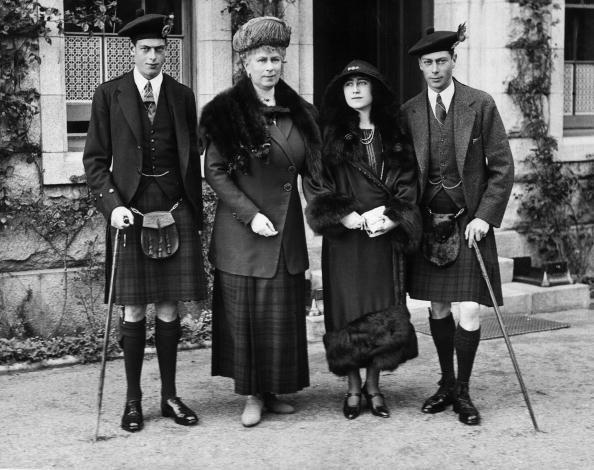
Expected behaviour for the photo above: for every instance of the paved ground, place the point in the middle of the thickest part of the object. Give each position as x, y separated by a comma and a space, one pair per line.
48, 417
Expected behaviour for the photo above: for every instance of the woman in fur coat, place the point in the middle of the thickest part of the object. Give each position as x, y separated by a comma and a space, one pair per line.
260, 135
365, 207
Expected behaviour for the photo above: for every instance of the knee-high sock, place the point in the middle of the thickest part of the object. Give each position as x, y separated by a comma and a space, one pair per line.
442, 331
466, 343
132, 341
167, 335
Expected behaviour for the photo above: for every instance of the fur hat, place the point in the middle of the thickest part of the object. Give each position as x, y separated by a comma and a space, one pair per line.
149, 26
262, 31
436, 41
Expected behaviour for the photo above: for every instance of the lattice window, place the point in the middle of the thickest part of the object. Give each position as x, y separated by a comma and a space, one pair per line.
93, 60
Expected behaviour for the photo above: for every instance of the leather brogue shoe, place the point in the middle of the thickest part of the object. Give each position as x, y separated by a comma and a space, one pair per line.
379, 408
351, 411
252, 411
176, 409
467, 412
132, 419
443, 398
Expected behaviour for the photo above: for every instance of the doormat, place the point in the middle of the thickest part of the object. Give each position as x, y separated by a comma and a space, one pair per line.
514, 325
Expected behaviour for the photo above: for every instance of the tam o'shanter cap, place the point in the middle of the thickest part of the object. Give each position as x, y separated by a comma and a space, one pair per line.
262, 31
436, 41
149, 26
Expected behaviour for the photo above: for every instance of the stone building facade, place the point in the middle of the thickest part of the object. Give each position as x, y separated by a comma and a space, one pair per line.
326, 34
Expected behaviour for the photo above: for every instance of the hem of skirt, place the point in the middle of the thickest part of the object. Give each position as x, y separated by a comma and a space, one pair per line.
282, 391
481, 301
157, 300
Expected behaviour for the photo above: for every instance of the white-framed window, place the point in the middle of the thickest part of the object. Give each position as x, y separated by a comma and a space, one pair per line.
578, 83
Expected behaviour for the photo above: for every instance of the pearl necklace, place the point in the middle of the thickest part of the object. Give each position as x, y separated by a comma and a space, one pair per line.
369, 139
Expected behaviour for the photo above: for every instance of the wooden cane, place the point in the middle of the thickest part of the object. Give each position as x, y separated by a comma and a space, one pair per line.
106, 333
479, 257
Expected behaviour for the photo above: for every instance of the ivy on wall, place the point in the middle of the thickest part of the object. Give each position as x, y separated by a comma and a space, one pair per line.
554, 203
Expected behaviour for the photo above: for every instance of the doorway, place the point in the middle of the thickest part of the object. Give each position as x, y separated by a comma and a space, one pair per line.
378, 31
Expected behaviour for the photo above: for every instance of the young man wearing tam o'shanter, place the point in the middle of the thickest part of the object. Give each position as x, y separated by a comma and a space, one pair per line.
142, 163
466, 173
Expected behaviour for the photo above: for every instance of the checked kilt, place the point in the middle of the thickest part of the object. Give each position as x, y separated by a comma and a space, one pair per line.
258, 332
461, 281
140, 280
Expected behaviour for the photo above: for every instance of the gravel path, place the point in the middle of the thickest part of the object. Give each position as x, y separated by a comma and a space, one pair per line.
48, 417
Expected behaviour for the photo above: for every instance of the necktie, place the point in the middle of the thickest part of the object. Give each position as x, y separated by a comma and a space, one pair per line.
440, 111
149, 101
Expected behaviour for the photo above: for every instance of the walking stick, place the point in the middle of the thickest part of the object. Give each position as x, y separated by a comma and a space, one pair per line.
107, 330
504, 331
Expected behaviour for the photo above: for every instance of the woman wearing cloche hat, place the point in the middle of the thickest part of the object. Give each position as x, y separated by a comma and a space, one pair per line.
260, 136
365, 208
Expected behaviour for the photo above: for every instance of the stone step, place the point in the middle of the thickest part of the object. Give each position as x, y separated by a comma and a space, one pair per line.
518, 298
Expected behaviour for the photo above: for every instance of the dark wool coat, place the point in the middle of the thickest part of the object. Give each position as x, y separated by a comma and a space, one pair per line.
251, 168
113, 151
364, 309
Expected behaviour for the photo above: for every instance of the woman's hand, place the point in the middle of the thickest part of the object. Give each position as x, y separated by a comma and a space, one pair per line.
383, 226
352, 221
262, 226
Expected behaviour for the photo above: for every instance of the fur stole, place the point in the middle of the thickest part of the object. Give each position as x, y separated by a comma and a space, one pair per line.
341, 143
235, 122
382, 339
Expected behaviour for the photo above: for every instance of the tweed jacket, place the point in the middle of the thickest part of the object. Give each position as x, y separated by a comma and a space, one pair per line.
113, 151
483, 156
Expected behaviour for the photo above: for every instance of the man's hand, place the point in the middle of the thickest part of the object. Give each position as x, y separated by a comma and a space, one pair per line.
262, 226
476, 230
121, 218
352, 221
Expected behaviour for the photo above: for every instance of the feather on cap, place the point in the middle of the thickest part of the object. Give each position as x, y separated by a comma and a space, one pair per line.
262, 31
436, 41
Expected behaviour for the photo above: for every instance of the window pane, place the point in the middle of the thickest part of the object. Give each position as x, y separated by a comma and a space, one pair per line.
579, 34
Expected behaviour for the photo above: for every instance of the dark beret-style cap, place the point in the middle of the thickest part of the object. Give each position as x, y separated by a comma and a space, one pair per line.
262, 31
436, 41
148, 26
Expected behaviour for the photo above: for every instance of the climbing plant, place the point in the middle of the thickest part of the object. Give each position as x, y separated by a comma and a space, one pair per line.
243, 10
554, 203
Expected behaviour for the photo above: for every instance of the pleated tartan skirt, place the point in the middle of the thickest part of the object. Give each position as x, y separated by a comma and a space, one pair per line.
258, 333
140, 280
461, 281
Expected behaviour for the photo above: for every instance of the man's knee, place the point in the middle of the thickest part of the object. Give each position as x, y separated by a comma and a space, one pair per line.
469, 315
440, 309
166, 311
134, 313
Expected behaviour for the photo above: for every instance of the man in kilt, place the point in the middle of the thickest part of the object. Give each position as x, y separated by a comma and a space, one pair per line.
466, 170
142, 155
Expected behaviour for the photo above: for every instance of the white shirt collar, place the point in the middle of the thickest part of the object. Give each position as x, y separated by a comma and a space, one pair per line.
446, 95
155, 83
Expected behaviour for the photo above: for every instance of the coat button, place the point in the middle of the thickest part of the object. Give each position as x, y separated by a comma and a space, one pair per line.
111, 190
138, 147
153, 149
292, 169
287, 187
100, 194
152, 131
152, 140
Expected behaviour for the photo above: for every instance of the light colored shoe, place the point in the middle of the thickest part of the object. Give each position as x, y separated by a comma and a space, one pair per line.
275, 405
252, 411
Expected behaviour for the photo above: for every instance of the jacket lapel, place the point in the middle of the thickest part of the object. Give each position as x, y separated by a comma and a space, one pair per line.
128, 101
464, 117
177, 109
277, 137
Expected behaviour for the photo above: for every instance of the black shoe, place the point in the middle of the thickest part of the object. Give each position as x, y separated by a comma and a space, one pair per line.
443, 398
378, 410
181, 414
351, 412
132, 420
467, 412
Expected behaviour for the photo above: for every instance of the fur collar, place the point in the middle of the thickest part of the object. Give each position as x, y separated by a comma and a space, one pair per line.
235, 122
341, 143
